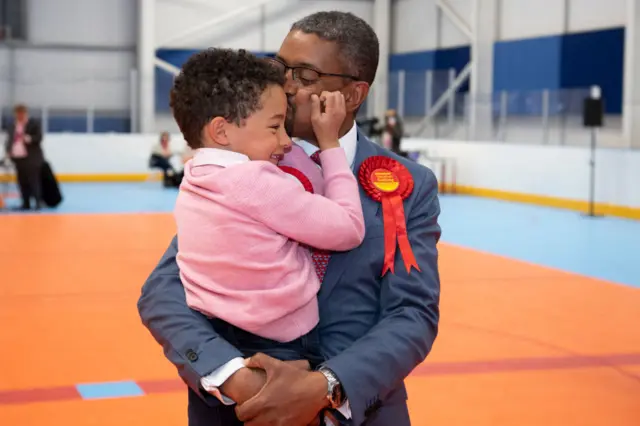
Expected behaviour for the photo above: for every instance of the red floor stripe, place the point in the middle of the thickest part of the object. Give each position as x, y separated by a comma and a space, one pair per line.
162, 386
26, 396
525, 364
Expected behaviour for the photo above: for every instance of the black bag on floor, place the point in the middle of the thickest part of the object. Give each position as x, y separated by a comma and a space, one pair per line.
51, 194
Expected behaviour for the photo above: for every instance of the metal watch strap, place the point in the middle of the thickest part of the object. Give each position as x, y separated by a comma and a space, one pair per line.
335, 395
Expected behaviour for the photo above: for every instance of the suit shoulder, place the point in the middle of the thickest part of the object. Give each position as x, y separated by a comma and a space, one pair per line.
419, 172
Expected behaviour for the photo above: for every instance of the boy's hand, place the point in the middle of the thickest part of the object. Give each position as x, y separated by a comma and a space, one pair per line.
247, 382
327, 121
244, 384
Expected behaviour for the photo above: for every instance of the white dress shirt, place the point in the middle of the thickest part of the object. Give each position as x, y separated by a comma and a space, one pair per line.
211, 383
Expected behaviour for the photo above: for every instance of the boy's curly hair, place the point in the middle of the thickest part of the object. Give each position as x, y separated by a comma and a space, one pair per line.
219, 83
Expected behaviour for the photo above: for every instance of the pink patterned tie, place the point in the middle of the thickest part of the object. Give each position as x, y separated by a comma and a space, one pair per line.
320, 257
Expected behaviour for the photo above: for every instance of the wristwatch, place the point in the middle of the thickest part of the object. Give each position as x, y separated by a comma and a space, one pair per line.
335, 395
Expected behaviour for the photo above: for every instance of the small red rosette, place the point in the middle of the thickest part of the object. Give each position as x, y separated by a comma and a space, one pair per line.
389, 182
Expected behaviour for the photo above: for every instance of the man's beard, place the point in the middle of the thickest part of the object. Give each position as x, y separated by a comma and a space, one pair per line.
291, 114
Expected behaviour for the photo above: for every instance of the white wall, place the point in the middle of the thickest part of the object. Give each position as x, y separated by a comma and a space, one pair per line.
588, 15
554, 171
69, 79
541, 170
80, 53
418, 25
245, 30
91, 154
525, 19
109, 23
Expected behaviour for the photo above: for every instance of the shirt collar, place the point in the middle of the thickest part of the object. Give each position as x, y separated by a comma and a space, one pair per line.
221, 157
349, 142
217, 157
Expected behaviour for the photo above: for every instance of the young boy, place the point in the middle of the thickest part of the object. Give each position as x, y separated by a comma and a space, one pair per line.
244, 225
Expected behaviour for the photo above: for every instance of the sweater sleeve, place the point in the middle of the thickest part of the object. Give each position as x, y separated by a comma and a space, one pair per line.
331, 222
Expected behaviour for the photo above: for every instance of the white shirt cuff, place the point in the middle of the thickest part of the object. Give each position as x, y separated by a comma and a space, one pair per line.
345, 409
213, 381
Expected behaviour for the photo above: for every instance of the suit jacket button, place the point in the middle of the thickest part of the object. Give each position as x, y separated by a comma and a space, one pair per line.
192, 356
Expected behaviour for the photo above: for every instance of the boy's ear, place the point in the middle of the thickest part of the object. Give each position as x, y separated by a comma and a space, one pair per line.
216, 131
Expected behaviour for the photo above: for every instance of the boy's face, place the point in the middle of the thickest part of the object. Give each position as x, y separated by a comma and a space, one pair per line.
262, 136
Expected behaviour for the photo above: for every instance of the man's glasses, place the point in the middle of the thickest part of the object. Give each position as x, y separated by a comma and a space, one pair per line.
306, 75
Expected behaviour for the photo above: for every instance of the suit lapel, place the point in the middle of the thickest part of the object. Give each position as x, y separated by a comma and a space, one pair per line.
370, 210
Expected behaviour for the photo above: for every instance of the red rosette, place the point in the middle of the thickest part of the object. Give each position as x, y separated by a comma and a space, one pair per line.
387, 181
306, 183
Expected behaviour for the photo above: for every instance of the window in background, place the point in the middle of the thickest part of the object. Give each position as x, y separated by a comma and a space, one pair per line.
13, 20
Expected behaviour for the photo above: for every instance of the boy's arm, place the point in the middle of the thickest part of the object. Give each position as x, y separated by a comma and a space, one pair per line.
204, 360
332, 222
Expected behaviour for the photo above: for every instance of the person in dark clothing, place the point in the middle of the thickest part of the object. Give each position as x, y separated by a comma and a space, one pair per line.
392, 132
23, 147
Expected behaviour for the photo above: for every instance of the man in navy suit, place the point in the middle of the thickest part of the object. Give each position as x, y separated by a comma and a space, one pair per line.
374, 329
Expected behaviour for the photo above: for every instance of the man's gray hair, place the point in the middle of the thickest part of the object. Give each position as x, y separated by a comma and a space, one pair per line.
357, 41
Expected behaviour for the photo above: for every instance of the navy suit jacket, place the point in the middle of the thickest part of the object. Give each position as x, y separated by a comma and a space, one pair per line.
374, 330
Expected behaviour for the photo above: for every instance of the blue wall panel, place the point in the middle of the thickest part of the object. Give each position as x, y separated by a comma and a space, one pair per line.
526, 67
595, 57
532, 64
522, 67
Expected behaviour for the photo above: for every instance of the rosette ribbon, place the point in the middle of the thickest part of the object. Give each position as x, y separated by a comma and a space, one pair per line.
304, 180
387, 181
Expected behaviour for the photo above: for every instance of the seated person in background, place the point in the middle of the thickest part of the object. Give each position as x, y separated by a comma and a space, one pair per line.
160, 158
243, 223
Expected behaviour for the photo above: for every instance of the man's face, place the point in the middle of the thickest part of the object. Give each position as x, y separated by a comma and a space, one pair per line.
21, 116
311, 52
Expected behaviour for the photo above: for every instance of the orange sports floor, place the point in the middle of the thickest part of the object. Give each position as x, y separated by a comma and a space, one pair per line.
519, 344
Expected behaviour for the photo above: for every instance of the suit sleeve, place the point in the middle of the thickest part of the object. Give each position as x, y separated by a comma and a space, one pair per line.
378, 362
188, 339
35, 131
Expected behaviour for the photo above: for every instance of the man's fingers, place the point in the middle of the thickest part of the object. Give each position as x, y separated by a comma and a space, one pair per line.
302, 364
261, 361
249, 409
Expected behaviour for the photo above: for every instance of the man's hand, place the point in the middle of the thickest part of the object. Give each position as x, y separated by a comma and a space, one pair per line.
291, 396
302, 364
244, 384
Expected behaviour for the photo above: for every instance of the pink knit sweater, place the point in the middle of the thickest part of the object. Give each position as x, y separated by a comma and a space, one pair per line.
242, 227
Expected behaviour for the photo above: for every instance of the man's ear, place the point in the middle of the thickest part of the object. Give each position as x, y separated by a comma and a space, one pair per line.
216, 131
355, 95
